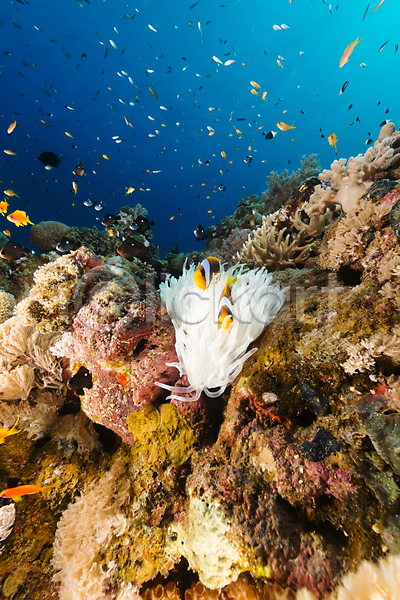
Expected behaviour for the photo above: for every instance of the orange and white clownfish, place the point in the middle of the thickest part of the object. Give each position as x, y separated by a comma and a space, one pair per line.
204, 273
225, 308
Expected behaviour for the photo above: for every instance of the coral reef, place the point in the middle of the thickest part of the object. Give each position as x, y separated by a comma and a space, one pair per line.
281, 187
7, 305
46, 235
287, 485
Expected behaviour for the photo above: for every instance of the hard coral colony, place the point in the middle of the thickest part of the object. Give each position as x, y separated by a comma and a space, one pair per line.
280, 477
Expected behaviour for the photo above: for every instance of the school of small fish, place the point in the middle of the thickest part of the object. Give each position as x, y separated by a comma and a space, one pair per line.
214, 59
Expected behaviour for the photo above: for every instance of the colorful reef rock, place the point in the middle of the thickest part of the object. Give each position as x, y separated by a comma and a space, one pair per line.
284, 483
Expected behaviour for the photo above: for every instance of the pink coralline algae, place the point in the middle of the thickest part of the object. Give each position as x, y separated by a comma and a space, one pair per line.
124, 337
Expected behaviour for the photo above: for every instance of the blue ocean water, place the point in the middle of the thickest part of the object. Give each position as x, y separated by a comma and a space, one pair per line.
66, 64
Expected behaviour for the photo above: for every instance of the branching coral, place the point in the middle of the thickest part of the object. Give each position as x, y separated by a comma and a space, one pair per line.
7, 305
51, 300
350, 179
25, 360
282, 186
209, 355
276, 248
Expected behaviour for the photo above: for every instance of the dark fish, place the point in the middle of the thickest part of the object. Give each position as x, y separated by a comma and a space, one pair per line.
322, 135
89, 203
351, 106
79, 170
67, 245
49, 160
395, 49
344, 86
358, 119
222, 188
383, 45
379, 103
81, 379
384, 122
323, 445
200, 233
132, 248
369, 141
12, 251
99, 206
193, 5
240, 119
386, 111
270, 135
141, 224
366, 10
248, 160
109, 220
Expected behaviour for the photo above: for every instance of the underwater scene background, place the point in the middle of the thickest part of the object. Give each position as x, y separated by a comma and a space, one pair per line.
199, 300
63, 70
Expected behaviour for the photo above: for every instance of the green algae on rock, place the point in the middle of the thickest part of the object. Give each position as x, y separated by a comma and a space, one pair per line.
162, 433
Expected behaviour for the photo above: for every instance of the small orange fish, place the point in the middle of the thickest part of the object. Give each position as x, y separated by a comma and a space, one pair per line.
19, 218
254, 92
129, 190
6, 431
284, 126
122, 379
12, 127
106, 157
75, 187
223, 154
7, 232
264, 95
332, 139
110, 233
279, 63
22, 490
3, 207
68, 134
348, 51
10, 193
255, 84
10, 152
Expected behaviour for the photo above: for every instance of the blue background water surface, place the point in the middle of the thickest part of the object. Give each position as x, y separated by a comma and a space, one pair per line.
50, 37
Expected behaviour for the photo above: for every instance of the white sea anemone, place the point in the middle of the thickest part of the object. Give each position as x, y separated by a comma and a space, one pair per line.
210, 356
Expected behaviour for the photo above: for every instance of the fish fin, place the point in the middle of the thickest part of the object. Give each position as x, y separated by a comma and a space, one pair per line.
17, 498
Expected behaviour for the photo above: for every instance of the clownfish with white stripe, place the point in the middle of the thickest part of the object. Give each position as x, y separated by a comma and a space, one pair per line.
225, 308
204, 273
